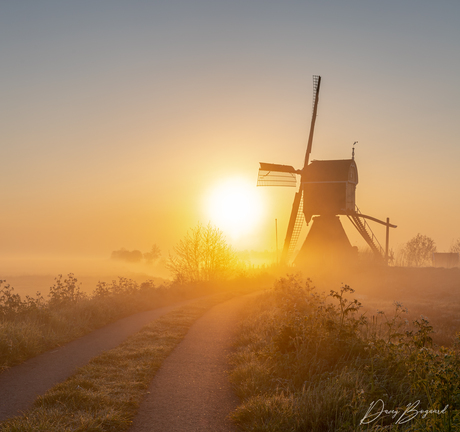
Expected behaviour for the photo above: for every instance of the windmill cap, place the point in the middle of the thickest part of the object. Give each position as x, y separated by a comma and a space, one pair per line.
330, 170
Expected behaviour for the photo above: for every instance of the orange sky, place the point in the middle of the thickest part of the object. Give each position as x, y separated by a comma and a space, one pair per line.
117, 121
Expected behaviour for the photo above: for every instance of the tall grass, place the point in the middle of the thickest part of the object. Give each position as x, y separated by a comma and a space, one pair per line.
307, 361
105, 394
33, 325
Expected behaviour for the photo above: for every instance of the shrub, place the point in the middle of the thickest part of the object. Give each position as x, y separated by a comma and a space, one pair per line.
65, 292
32, 325
310, 361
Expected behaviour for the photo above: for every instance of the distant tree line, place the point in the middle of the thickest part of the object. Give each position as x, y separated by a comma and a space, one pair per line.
455, 248
418, 251
136, 256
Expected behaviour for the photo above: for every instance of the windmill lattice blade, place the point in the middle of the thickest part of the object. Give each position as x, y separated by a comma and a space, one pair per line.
273, 178
316, 87
277, 167
276, 175
298, 225
292, 223
316, 80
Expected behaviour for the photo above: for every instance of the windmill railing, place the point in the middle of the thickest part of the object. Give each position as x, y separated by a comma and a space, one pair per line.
372, 235
359, 221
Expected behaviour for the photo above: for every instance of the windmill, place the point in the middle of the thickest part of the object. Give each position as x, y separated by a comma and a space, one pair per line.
326, 190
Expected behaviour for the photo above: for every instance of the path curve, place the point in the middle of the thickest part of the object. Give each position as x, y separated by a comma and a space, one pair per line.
191, 391
20, 385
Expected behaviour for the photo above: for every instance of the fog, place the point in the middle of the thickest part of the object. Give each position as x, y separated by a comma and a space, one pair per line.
31, 274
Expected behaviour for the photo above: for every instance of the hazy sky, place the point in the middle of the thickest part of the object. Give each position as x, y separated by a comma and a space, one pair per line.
118, 118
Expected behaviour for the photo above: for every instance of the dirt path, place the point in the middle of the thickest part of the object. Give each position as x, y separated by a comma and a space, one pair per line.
20, 385
191, 391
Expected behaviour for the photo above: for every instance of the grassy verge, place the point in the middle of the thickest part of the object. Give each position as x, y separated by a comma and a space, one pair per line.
312, 362
105, 395
31, 326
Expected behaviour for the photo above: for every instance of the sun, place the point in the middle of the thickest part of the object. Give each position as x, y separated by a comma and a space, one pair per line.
234, 206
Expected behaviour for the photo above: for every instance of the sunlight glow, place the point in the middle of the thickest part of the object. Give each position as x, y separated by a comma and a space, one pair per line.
235, 207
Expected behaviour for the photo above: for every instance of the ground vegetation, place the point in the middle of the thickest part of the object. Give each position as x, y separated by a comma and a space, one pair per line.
31, 325
310, 361
106, 394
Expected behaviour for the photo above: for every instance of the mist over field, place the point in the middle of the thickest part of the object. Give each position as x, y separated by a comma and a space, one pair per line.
29, 275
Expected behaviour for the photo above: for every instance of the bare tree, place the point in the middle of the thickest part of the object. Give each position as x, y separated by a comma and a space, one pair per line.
153, 255
455, 248
202, 255
418, 251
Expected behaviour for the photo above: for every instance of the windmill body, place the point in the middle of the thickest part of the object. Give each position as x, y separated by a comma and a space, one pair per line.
326, 244
327, 189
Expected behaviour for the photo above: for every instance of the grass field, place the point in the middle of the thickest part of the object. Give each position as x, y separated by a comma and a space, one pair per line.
105, 395
32, 325
313, 361
307, 359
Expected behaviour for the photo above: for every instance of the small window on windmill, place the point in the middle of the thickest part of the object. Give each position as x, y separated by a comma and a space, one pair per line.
276, 175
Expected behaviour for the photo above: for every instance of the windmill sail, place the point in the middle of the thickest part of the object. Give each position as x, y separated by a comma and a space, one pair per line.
276, 175
296, 213
289, 245
298, 225
316, 86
